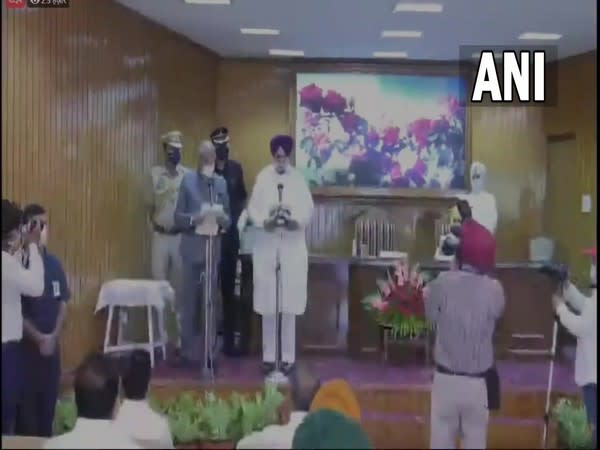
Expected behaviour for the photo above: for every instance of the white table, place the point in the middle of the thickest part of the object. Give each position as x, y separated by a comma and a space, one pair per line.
125, 293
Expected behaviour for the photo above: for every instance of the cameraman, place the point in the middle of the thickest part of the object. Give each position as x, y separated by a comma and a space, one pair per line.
582, 324
16, 281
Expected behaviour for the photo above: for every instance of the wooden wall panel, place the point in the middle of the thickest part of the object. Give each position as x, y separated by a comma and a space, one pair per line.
575, 114
86, 93
254, 101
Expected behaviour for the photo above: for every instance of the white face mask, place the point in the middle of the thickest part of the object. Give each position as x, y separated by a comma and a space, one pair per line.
44, 236
593, 274
477, 177
208, 170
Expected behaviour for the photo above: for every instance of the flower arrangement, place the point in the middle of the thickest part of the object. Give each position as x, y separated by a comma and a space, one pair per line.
572, 424
344, 148
399, 303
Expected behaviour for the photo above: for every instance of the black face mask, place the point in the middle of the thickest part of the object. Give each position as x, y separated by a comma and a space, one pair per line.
222, 152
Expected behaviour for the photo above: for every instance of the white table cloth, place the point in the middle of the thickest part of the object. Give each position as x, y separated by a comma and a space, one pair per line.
126, 293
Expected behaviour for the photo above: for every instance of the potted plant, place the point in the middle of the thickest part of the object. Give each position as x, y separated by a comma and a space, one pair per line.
398, 305
65, 416
573, 432
218, 423
183, 415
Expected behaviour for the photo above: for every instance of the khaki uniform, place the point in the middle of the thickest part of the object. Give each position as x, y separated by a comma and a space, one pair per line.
161, 192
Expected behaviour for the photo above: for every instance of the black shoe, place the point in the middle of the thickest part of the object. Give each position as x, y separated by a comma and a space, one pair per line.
267, 368
287, 368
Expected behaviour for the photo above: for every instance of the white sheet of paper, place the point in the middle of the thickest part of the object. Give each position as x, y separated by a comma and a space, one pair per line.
209, 226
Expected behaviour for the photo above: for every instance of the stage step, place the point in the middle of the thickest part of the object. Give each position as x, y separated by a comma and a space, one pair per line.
405, 432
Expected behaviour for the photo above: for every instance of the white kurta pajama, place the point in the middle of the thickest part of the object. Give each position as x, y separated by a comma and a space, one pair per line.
293, 257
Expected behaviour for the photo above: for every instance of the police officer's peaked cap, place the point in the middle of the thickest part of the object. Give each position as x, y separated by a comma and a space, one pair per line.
220, 136
173, 139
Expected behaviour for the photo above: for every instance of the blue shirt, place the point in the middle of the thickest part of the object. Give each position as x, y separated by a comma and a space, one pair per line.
43, 311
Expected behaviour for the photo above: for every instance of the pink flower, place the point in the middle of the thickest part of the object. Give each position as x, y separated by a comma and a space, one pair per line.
311, 97
349, 122
420, 167
372, 138
391, 136
380, 305
420, 129
334, 103
396, 171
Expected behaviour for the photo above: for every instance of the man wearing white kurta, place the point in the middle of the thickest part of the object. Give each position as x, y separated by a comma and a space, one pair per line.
482, 203
162, 190
280, 192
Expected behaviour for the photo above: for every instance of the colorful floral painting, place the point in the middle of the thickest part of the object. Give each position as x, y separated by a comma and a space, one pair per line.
381, 130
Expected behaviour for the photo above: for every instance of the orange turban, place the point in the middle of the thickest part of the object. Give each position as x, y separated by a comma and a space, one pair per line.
337, 395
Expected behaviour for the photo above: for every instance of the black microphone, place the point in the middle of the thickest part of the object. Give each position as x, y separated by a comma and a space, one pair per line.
280, 191
210, 190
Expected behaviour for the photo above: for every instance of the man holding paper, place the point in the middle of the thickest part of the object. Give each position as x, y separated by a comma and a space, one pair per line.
202, 210
281, 205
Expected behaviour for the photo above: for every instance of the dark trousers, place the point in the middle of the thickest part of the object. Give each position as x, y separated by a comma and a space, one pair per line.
12, 384
590, 400
42, 379
227, 271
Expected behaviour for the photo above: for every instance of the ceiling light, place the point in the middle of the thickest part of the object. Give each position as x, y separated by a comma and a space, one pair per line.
540, 36
401, 34
419, 7
208, 2
260, 31
390, 54
278, 52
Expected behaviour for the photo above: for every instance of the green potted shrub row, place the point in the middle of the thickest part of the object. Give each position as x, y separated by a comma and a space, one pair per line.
208, 423
573, 432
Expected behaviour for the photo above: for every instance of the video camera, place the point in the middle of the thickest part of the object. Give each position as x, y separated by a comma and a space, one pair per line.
558, 272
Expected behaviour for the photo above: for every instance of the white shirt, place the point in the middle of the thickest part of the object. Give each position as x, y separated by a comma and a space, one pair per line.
18, 281
144, 425
583, 327
274, 436
92, 434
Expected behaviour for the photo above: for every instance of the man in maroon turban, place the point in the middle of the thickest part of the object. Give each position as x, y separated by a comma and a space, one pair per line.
281, 205
464, 306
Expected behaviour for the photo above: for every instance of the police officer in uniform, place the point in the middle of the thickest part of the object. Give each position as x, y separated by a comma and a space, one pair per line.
234, 176
162, 190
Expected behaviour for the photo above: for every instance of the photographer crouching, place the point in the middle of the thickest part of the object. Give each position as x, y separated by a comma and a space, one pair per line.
578, 314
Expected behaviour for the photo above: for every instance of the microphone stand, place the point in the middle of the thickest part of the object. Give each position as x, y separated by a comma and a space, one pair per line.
208, 363
277, 377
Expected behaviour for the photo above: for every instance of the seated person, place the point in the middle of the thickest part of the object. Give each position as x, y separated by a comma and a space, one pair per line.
337, 395
303, 386
135, 417
96, 389
326, 429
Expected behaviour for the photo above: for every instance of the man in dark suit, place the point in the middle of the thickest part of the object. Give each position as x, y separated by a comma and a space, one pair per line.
234, 176
202, 195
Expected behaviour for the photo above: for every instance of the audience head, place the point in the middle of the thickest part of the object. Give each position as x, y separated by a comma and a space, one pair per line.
326, 429
137, 375
96, 387
337, 395
35, 216
303, 387
206, 158
281, 149
172, 145
12, 221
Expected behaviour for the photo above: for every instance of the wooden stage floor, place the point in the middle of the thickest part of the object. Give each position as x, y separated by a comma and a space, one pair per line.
395, 400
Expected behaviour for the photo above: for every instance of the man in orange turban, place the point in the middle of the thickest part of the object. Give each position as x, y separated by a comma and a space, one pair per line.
337, 395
